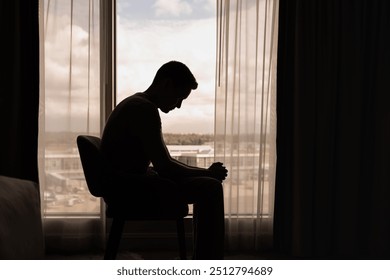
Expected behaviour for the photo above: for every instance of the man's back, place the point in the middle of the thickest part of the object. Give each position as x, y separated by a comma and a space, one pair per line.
131, 124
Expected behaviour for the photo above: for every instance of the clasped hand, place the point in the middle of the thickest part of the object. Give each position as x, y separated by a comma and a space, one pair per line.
218, 171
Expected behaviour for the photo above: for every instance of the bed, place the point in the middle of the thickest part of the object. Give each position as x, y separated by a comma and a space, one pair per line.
21, 233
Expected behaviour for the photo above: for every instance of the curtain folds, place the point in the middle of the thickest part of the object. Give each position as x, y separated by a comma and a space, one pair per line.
69, 106
332, 183
19, 94
245, 118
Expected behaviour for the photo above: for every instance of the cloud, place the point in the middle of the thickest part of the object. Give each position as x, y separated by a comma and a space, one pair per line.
207, 5
144, 47
69, 102
172, 7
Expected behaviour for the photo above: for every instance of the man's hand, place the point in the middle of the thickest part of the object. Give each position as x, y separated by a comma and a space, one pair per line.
218, 171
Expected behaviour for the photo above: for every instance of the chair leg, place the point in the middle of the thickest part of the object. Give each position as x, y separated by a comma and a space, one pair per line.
181, 238
114, 238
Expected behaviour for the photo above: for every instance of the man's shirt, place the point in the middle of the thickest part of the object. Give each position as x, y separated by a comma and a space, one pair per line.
129, 130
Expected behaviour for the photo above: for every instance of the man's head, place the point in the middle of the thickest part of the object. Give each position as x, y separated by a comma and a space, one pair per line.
176, 72
172, 84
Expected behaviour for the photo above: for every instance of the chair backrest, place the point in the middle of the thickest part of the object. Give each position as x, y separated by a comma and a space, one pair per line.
89, 150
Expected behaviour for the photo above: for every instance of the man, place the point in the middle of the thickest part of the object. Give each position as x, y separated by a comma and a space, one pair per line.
132, 141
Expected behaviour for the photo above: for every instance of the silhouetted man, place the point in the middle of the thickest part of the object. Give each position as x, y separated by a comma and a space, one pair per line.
132, 140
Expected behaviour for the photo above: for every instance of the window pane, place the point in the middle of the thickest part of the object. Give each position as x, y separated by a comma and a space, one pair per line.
151, 33
71, 99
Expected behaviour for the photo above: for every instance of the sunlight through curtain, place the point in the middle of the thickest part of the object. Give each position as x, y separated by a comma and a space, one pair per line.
245, 118
69, 106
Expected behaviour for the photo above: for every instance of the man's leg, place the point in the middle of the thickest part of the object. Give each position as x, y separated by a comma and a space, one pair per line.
209, 219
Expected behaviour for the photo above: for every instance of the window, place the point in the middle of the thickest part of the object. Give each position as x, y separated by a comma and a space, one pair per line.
71, 103
150, 33
73, 99
238, 50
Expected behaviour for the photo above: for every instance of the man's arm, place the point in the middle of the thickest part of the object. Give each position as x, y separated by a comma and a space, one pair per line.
217, 168
149, 131
166, 166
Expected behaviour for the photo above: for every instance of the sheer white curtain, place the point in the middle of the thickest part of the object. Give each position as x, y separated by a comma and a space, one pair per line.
245, 117
69, 106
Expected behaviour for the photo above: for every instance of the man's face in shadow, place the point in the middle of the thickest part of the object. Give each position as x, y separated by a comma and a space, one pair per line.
173, 97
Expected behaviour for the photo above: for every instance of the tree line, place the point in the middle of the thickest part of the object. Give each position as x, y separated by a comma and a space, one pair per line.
187, 139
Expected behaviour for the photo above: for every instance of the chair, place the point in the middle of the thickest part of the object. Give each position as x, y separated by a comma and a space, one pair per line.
89, 150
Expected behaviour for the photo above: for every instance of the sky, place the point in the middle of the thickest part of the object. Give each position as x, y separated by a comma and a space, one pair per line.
149, 33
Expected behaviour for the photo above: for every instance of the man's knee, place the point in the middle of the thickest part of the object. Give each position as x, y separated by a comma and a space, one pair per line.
215, 187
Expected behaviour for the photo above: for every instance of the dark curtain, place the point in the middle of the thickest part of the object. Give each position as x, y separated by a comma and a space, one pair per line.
19, 98
333, 135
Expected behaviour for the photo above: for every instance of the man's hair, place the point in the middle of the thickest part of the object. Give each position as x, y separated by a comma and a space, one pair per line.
178, 73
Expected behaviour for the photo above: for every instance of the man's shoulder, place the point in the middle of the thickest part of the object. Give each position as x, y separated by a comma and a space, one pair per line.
136, 109
137, 100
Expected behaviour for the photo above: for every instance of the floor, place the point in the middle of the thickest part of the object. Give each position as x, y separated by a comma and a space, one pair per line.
150, 255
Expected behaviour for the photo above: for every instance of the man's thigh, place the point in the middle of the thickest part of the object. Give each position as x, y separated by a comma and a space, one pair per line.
197, 189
